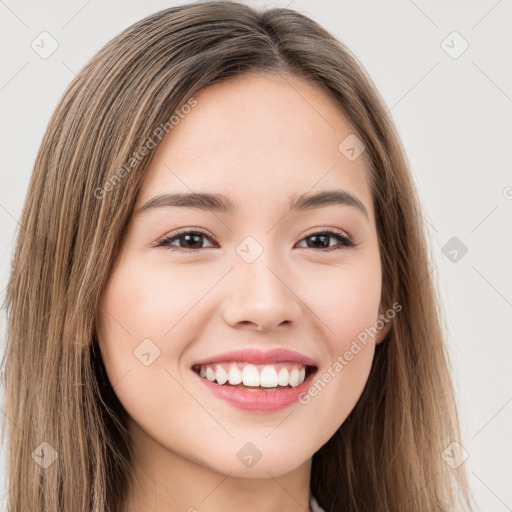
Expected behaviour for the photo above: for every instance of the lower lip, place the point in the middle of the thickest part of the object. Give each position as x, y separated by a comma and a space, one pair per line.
258, 400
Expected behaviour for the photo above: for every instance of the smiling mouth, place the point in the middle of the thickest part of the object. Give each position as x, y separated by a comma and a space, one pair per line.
255, 377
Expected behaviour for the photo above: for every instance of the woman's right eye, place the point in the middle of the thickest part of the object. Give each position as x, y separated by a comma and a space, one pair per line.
187, 240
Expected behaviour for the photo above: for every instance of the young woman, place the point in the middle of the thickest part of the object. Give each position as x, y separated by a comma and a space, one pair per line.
221, 293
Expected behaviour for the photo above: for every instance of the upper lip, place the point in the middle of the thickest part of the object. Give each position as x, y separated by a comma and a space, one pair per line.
277, 355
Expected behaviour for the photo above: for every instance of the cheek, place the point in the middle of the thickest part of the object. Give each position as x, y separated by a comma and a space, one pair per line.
142, 332
147, 316
346, 301
142, 301
131, 324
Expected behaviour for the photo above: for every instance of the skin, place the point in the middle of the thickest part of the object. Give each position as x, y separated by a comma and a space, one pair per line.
259, 139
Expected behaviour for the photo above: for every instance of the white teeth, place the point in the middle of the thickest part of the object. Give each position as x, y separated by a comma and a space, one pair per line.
268, 377
283, 377
235, 376
294, 378
251, 376
221, 375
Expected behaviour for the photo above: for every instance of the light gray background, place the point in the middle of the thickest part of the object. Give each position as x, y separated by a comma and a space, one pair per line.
453, 114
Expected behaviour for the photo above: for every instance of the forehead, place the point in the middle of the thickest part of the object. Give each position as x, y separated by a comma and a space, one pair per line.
255, 137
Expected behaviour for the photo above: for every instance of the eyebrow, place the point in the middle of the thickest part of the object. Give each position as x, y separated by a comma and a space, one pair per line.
221, 203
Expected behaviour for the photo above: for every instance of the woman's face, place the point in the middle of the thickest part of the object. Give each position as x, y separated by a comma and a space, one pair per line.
255, 290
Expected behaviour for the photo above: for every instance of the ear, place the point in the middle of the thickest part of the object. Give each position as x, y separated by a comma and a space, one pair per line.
383, 319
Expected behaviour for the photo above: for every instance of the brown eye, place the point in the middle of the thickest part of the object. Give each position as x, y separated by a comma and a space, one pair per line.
188, 240
322, 240
191, 241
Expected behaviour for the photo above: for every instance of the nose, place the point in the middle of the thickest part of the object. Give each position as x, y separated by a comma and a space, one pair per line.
261, 297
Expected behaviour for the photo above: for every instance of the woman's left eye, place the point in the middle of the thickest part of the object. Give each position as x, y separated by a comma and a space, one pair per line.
322, 238
192, 240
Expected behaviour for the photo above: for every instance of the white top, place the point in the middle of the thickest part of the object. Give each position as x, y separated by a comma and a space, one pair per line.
315, 507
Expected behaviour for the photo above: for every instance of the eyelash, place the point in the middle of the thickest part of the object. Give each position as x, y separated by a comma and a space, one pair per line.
344, 241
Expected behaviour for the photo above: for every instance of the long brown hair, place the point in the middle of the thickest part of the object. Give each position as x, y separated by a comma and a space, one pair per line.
387, 455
